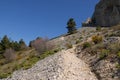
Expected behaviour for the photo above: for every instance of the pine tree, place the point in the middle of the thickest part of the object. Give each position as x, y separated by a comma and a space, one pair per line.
22, 44
16, 46
5, 42
71, 26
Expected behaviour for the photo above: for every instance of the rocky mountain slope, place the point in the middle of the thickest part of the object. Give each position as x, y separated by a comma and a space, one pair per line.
90, 54
64, 65
103, 57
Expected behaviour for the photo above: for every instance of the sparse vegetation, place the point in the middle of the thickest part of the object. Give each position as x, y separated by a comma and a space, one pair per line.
4, 75
25, 62
16, 55
86, 45
114, 47
104, 53
28, 63
118, 66
118, 54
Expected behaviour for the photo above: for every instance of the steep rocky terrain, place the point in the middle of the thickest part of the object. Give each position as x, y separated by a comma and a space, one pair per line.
103, 57
64, 65
78, 60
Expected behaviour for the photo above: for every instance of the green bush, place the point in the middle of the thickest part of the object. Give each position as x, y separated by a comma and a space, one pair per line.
86, 45
104, 53
29, 63
25, 63
118, 54
114, 47
81, 38
47, 53
98, 28
4, 75
17, 67
118, 66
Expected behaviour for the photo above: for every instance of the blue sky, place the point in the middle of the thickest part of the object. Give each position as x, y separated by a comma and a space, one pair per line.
29, 19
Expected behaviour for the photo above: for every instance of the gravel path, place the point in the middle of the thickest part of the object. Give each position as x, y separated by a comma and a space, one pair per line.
64, 65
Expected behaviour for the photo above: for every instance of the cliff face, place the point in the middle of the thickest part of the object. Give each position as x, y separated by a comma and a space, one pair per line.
107, 13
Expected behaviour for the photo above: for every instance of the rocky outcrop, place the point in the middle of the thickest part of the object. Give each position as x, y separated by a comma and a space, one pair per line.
107, 13
64, 65
87, 23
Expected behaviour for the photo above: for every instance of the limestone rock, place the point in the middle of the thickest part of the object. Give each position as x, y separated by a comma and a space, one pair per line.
107, 13
88, 22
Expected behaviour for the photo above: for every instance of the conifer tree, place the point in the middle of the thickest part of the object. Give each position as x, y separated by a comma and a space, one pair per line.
71, 26
5, 42
22, 44
16, 46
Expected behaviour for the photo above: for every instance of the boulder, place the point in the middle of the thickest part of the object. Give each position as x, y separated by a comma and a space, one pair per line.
107, 13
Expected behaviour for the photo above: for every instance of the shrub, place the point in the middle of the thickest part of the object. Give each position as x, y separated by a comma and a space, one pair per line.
98, 28
32, 59
46, 54
17, 67
86, 45
118, 65
97, 39
29, 63
114, 47
77, 41
41, 45
9, 54
69, 45
4, 75
118, 54
104, 53
81, 38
